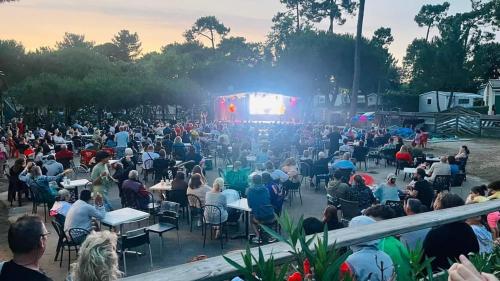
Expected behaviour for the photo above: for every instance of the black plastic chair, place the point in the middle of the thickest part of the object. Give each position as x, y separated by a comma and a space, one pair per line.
168, 219
349, 210
305, 171
213, 212
360, 154
396, 206
179, 196
457, 179
63, 243
37, 199
131, 240
76, 238
400, 165
195, 210
441, 183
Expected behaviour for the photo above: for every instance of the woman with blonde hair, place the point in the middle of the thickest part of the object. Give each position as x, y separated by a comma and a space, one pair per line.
216, 198
97, 260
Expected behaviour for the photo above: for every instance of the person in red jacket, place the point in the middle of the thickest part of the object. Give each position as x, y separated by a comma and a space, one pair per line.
404, 155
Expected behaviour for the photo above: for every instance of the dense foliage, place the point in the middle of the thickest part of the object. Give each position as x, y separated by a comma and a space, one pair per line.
297, 59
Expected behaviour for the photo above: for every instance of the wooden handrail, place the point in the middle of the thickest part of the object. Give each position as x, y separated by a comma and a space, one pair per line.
216, 268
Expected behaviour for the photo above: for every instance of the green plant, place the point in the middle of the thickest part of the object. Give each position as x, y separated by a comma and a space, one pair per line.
257, 269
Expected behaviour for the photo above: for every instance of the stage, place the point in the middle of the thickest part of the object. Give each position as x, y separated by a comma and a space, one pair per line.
258, 107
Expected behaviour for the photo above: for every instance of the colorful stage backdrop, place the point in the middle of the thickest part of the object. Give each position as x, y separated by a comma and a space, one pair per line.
258, 106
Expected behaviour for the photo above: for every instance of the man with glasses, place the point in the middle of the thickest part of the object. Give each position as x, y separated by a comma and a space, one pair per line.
27, 240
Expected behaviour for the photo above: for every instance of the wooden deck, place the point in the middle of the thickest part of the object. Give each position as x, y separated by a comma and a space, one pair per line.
216, 268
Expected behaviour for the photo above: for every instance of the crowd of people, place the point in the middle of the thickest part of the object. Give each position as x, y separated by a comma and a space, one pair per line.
264, 163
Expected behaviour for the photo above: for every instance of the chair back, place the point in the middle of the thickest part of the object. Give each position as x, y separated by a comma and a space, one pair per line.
194, 201
171, 207
170, 218
457, 179
396, 206
360, 153
305, 169
212, 214
87, 155
78, 235
66, 162
401, 164
178, 196
59, 231
132, 240
349, 209
441, 183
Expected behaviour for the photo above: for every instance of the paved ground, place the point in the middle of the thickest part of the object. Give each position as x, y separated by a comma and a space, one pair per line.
191, 242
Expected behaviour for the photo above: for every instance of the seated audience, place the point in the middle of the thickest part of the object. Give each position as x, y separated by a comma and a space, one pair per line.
178, 149
237, 178
292, 171
404, 155
82, 213
345, 163
484, 236
388, 190
276, 174
133, 189
422, 189
179, 182
454, 169
64, 156
345, 148
27, 239
477, 194
449, 241
494, 190
412, 239
216, 198
331, 218
441, 168
276, 192
361, 193
62, 206
161, 166
97, 259
367, 262
259, 201
198, 188
391, 245
52, 167
320, 168
336, 188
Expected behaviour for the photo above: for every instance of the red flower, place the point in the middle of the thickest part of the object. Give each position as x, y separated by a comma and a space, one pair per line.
295, 277
307, 267
345, 270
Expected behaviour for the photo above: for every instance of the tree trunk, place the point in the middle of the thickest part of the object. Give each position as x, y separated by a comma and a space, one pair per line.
357, 59
427, 35
450, 100
437, 101
212, 39
298, 16
330, 28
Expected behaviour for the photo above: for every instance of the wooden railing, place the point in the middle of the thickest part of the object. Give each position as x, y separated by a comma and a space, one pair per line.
216, 268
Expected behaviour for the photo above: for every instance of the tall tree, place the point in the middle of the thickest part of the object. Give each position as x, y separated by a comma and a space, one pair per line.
207, 27
72, 40
333, 10
382, 37
129, 45
297, 6
109, 50
431, 15
357, 58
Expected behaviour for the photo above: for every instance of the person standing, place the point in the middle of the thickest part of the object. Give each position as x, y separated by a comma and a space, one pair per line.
335, 138
100, 177
121, 139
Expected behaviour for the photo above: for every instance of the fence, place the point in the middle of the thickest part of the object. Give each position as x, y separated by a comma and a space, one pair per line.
456, 121
216, 268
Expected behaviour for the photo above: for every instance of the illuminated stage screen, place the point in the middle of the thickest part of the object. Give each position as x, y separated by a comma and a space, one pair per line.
266, 104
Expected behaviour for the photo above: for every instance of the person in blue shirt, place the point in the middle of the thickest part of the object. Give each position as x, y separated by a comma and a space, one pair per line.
259, 200
121, 139
454, 169
345, 163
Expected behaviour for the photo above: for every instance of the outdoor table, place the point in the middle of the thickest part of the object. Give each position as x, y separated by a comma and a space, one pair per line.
161, 186
122, 216
432, 159
242, 205
111, 162
409, 171
74, 184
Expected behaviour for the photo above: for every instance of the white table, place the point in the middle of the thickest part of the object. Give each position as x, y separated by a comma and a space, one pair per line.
162, 186
74, 185
242, 205
432, 159
407, 171
122, 216
111, 162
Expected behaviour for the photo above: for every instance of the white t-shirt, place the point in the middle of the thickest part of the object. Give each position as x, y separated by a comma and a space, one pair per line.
439, 169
